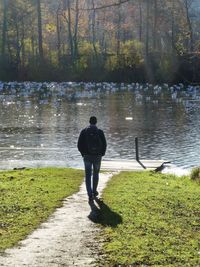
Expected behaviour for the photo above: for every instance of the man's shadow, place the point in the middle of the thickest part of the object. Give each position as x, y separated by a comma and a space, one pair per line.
102, 214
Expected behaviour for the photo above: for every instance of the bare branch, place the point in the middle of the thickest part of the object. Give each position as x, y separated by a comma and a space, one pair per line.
120, 2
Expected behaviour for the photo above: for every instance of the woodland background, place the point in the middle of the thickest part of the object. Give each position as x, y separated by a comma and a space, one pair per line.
100, 40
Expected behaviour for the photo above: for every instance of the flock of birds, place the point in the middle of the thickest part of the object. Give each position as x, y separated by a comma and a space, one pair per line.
75, 90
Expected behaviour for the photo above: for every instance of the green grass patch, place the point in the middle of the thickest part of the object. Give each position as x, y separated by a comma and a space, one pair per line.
159, 220
29, 196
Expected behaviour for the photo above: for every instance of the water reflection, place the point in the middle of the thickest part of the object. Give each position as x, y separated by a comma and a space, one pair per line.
40, 122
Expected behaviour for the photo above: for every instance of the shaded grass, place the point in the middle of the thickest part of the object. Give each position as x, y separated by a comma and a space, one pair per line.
160, 221
29, 196
195, 174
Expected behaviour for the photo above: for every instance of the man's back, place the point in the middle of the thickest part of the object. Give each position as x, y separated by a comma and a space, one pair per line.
92, 141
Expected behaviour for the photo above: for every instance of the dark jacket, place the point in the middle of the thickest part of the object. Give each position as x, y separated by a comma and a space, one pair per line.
82, 141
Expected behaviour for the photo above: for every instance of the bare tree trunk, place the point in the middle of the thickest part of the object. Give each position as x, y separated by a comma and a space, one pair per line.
4, 30
93, 29
40, 40
140, 21
118, 31
173, 28
76, 30
18, 47
33, 44
16, 38
147, 28
155, 24
22, 44
58, 34
191, 45
67, 8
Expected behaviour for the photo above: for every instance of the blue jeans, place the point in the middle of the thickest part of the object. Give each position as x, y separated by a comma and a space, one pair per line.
92, 168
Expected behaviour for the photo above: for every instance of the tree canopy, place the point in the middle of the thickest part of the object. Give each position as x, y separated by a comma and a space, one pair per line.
115, 40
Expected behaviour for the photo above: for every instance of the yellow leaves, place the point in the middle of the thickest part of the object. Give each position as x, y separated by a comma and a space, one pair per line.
50, 28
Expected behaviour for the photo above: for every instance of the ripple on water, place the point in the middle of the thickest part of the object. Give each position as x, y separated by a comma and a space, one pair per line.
165, 118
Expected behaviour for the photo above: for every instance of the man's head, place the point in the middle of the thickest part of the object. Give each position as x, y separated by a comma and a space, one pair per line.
93, 120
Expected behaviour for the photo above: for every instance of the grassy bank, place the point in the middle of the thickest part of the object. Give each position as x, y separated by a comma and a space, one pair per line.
28, 197
159, 221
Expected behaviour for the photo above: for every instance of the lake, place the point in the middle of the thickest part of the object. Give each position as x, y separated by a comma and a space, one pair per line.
40, 122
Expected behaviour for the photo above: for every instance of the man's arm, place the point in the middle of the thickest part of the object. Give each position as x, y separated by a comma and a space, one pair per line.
104, 143
80, 144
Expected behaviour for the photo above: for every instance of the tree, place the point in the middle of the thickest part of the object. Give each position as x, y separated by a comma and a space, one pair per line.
58, 28
40, 37
187, 5
147, 27
5, 23
85, 35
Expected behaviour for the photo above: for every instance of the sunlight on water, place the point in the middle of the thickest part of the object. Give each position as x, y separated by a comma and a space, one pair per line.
40, 122
178, 171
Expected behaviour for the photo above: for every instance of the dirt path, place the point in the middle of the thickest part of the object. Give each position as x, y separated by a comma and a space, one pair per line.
66, 239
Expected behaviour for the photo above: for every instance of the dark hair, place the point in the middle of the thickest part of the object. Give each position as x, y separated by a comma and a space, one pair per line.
93, 120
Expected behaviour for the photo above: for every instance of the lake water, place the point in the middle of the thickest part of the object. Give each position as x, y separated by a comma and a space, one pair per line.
40, 122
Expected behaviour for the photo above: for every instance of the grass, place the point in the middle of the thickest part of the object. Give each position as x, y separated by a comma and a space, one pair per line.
159, 223
29, 196
195, 174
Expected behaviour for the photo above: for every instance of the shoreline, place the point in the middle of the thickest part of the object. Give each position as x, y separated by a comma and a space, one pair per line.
169, 169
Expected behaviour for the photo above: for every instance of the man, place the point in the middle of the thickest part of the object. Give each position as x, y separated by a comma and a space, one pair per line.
92, 146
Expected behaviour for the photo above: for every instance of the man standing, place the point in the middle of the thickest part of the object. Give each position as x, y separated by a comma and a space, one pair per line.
92, 146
